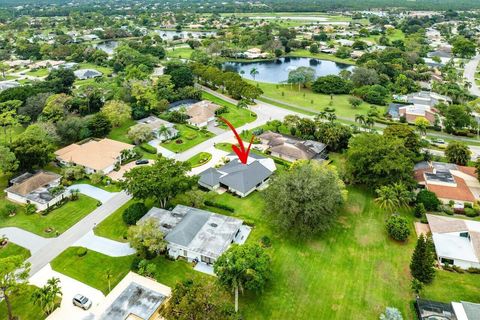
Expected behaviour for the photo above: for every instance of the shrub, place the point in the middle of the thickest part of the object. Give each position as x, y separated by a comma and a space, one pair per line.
30, 208
420, 210
469, 212
447, 210
397, 228
457, 269
135, 263
190, 135
266, 242
429, 200
81, 252
134, 212
148, 148
219, 205
467, 205
473, 270
146, 269
96, 177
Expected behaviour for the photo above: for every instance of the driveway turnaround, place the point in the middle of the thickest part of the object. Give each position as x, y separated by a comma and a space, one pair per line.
24, 238
93, 192
217, 155
70, 287
103, 245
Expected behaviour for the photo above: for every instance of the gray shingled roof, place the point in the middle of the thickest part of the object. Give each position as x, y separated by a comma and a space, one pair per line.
210, 177
188, 228
244, 177
472, 310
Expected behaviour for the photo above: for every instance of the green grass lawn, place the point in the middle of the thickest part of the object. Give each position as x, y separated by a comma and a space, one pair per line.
42, 72
304, 98
181, 53
198, 137
91, 268
200, 159
11, 249
113, 187
236, 116
59, 219
105, 70
113, 227
22, 306
320, 55
120, 133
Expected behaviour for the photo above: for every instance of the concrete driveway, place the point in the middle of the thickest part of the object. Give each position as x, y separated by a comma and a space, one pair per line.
103, 245
469, 74
70, 287
93, 192
118, 175
163, 151
25, 239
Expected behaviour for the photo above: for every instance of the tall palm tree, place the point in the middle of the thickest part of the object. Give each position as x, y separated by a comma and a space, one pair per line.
254, 72
46, 297
387, 198
360, 118
369, 122
331, 117
321, 115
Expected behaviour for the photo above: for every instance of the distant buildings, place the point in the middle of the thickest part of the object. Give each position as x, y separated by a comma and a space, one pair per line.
418, 104
84, 74
197, 235
4, 85
201, 113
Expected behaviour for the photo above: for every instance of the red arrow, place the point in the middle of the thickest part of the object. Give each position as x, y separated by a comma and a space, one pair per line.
241, 152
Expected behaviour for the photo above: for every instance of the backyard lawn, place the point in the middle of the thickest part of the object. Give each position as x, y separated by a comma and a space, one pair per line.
59, 219
11, 249
22, 306
236, 116
188, 138
91, 268
120, 133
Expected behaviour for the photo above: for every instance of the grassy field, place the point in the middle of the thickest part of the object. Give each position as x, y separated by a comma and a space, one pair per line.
320, 55
22, 306
91, 268
236, 116
59, 219
196, 137
120, 133
304, 98
113, 227
199, 159
105, 70
393, 35
42, 72
181, 53
11, 249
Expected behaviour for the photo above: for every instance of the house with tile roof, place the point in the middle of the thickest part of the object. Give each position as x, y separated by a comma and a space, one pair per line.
95, 155
292, 149
36, 188
238, 178
457, 241
197, 235
201, 113
448, 181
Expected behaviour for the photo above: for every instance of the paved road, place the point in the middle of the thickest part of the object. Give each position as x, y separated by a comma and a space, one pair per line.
469, 74
46, 254
25, 239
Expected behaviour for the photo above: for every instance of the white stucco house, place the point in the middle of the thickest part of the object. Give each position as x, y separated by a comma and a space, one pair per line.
197, 235
161, 129
457, 241
35, 188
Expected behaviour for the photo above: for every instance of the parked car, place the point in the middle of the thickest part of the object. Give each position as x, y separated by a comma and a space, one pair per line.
82, 302
141, 161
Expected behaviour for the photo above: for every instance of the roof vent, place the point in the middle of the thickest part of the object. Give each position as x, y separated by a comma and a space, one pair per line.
213, 225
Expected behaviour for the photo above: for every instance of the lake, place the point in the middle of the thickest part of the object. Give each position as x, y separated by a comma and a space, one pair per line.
169, 34
276, 71
107, 46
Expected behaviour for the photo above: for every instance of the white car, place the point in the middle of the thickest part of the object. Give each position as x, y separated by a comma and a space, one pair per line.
82, 302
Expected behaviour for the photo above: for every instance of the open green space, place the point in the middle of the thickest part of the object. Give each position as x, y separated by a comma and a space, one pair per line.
59, 220
105, 70
393, 35
113, 226
305, 99
199, 159
41, 72
188, 138
91, 268
181, 53
22, 306
120, 133
236, 116
11, 249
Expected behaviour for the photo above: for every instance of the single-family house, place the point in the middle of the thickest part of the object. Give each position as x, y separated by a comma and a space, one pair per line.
254, 53
94, 155
238, 178
457, 241
84, 74
46, 64
201, 113
463, 310
427, 98
413, 111
292, 149
197, 235
36, 188
161, 129
345, 42
448, 181
134, 298
421, 104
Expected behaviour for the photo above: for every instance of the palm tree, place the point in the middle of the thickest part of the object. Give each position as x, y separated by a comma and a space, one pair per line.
331, 117
254, 72
321, 115
47, 296
163, 132
369, 122
360, 118
109, 276
387, 197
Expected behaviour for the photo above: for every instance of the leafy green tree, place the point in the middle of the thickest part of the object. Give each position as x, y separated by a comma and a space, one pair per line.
423, 260
32, 150
331, 84
458, 153
55, 107
72, 129
47, 296
334, 135
181, 75
198, 300
147, 238
364, 77
375, 160
301, 76
428, 199
34, 105
140, 133
149, 182
118, 112
8, 161
422, 125
134, 212
463, 47
98, 125
397, 227
404, 85
243, 267
13, 277
406, 134
456, 118
305, 199
375, 94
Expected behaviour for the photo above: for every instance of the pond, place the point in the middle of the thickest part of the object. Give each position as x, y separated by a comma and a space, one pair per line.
169, 34
276, 71
107, 46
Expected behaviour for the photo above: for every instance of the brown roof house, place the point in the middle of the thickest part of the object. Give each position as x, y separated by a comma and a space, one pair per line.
457, 241
95, 155
448, 181
292, 149
202, 113
36, 188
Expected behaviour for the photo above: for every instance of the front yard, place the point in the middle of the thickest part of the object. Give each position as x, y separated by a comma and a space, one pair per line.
188, 138
236, 116
59, 220
11, 249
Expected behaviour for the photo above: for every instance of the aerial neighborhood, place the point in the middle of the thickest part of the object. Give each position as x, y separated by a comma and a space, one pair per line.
227, 160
